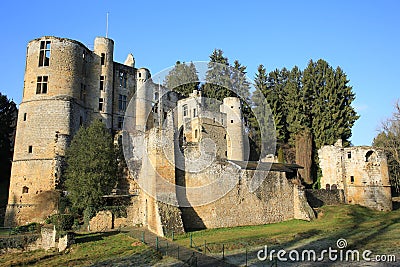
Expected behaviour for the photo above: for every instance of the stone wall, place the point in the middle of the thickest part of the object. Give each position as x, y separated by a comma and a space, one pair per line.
274, 201
320, 197
101, 222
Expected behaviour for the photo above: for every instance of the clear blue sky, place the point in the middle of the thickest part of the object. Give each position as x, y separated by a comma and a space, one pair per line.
362, 37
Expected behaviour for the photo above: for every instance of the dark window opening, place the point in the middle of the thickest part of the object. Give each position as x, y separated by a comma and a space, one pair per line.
25, 116
226, 153
80, 121
156, 96
195, 133
122, 79
349, 155
103, 59
185, 110
122, 102
120, 122
102, 79
194, 113
231, 121
44, 54
224, 136
139, 75
352, 179
231, 106
41, 85
101, 102
25, 190
30, 149
328, 187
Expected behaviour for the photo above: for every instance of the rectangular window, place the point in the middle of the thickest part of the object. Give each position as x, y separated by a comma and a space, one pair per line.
185, 110
24, 116
30, 149
120, 122
194, 113
122, 79
103, 59
101, 102
44, 54
349, 155
102, 79
122, 102
41, 85
352, 179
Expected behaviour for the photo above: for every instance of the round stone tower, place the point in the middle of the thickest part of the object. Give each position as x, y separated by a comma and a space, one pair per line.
234, 128
47, 118
103, 65
144, 98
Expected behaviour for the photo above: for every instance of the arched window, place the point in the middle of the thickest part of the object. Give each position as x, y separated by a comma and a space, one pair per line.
370, 156
25, 190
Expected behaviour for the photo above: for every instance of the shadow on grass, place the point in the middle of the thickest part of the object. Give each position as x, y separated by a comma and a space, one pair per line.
360, 226
90, 237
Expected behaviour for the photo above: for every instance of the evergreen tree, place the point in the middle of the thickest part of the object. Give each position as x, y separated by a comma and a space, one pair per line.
182, 78
298, 103
91, 169
265, 107
8, 116
332, 115
218, 77
241, 87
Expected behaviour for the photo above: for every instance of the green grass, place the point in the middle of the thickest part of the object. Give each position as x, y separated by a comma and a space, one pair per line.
88, 250
361, 227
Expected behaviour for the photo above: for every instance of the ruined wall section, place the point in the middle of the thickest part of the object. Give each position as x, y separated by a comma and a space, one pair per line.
362, 173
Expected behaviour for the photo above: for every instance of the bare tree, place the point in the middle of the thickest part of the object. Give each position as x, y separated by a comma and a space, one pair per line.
389, 140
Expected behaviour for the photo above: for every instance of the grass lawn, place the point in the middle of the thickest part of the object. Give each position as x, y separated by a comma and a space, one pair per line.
108, 249
361, 227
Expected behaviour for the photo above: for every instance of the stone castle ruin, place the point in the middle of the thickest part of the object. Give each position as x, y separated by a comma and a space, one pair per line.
361, 172
188, 166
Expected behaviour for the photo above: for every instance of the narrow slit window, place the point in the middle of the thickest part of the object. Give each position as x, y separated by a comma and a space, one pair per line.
25, 116
120, 122
103, 59
231, 121
30, 149
44, 54
102, 79
195, 133
352, 179
101, 104
349, 155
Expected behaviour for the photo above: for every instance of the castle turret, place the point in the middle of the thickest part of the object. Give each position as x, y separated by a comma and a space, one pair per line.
104, 65
144, 98
234, 128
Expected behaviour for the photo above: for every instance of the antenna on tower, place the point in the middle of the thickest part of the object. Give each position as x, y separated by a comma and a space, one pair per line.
107, 25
